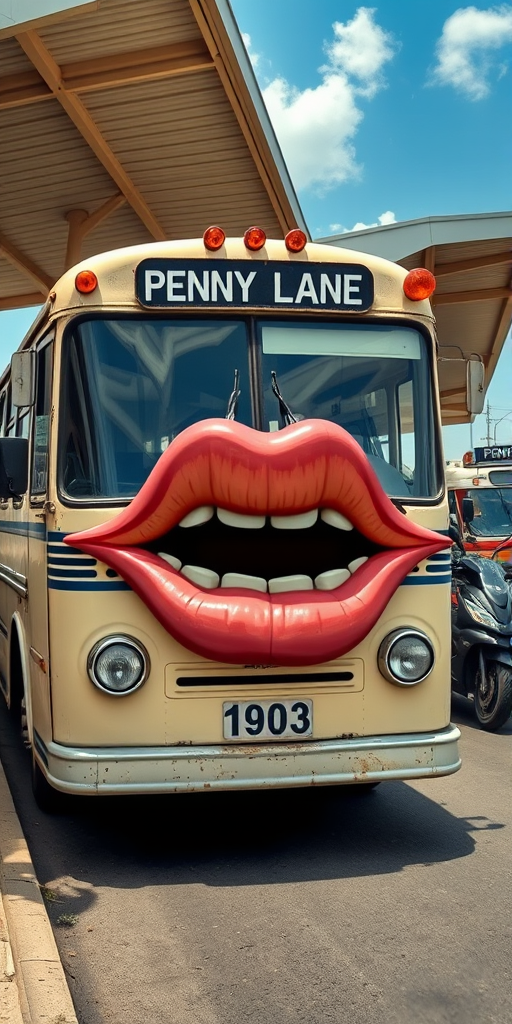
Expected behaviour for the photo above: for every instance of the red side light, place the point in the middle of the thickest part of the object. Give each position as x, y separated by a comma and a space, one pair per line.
214, 237
295, 240
467, 459
255, 239
419, 284
86, 281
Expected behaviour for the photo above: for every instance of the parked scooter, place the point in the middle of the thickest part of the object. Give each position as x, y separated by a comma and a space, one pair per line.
481, 632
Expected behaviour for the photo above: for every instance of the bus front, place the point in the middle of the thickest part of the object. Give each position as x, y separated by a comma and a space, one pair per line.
249, 578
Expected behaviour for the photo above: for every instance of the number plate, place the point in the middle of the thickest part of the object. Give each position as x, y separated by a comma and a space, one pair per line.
267, 719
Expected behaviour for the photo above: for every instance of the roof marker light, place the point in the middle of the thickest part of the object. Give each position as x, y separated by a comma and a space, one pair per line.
295, 240
468, 459
86, 281
419, 284
214, 237
255, 238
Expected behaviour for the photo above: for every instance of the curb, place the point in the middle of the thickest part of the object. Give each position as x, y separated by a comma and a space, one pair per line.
32, 980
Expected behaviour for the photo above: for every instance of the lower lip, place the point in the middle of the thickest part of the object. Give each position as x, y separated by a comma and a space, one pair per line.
242, 627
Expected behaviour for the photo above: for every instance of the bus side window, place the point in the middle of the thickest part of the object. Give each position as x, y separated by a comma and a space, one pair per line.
41, 430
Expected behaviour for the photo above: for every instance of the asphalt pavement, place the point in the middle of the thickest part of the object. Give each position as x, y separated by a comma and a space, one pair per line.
312, 906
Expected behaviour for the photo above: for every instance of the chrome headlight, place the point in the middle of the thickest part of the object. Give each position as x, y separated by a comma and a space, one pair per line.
118, 665
406, 657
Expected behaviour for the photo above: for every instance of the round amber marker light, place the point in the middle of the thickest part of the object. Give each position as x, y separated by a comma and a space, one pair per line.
86, 281
295, 240
214, 237
255, 238
419, 284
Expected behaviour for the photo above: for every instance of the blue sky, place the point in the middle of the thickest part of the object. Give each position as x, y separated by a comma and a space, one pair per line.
384, 114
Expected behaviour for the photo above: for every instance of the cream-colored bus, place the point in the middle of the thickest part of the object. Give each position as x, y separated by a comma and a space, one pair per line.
224, 557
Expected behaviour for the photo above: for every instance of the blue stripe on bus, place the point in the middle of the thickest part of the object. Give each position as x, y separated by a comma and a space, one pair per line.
35, 530
53, 560
441, 557
40, 747
426, 581
74, 574
437, 568
57, 549
68, 584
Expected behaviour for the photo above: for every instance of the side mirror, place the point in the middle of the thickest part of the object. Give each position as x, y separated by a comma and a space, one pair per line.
23, 378
468, 510
475, 386
13, 467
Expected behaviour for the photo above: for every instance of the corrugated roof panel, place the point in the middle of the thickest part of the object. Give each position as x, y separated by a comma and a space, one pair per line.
118, 27
122, 228
13, 61
469, 322
46, 158
188, 139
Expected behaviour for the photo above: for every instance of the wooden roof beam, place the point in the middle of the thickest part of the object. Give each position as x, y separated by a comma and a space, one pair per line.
49, 70
21, 301
25, 264
429, 259
464, 266
476, 295
18, 90
137, 66
106, 72
82, 223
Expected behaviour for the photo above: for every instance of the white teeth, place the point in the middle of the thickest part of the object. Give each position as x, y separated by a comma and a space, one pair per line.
198, 516
335, 519
300, 522
203, 577
282, 584
175, 562
332, 579
237, 579
356, 563
240, 521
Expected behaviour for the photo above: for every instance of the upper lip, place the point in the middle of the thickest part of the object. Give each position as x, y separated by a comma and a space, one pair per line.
311, 464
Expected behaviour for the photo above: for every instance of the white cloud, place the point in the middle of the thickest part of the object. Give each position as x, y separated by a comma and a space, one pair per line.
385, 218
253, 57
316, 126
466, 51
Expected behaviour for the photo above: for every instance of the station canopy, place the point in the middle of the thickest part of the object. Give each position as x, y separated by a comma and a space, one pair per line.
124, 122
471, 258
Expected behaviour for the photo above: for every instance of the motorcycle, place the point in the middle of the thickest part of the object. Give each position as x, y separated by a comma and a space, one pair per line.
481, 633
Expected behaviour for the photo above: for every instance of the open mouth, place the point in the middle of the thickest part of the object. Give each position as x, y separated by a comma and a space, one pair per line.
257, 548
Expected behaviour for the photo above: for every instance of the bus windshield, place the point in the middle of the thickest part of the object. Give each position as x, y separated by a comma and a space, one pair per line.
493, 512
130, 385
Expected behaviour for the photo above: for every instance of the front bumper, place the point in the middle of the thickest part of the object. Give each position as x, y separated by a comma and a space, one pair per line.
131, 770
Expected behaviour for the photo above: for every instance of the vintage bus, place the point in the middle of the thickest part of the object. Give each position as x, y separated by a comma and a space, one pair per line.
225, 560
484, 476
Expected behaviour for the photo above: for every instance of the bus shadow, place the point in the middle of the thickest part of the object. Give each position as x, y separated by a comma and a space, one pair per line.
233, 839
243, 839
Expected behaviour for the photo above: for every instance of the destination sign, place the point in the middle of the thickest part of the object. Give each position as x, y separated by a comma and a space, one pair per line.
495, 453
165, 283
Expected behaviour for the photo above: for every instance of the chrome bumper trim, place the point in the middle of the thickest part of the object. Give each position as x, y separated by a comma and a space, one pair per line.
132, 770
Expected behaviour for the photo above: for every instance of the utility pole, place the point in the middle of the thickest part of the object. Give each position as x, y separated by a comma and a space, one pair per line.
488, 420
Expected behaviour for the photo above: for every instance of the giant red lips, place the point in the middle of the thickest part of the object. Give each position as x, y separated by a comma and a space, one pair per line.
309, 465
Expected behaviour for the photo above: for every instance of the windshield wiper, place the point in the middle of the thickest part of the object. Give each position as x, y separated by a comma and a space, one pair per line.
233, 398
284, 409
